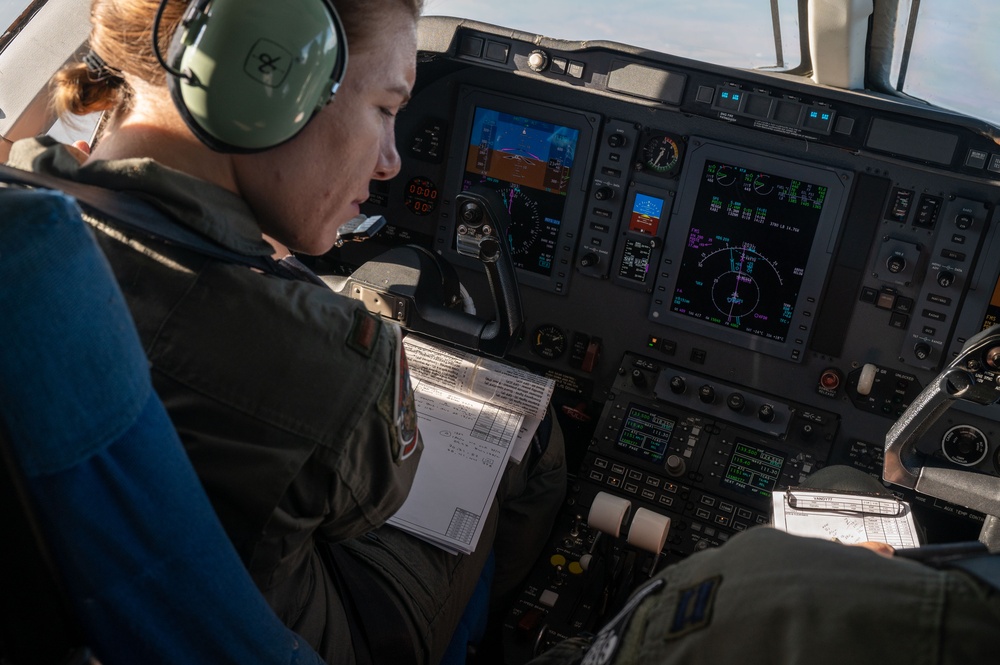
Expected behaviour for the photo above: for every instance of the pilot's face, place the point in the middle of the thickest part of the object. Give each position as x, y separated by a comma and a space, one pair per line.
304, 190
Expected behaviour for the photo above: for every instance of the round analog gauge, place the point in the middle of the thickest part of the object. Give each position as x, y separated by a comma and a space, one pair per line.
965, 445
548, 341
421, 196
661, 154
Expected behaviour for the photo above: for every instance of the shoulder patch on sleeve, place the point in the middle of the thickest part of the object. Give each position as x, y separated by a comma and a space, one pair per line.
694, 607
406, 407
364, 332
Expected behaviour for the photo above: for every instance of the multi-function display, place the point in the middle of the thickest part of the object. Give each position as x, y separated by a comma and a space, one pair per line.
530, 162
747, 249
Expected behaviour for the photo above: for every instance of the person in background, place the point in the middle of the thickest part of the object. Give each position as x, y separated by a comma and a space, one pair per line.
290, 399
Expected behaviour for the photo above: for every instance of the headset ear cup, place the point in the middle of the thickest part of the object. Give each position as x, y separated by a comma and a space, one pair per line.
254, 72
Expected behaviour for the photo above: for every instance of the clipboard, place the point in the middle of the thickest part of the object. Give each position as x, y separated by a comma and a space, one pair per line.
845, 517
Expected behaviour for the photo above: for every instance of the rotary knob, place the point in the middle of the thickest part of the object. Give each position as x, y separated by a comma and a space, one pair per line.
675, 465
639, 379
896, 264
538, 61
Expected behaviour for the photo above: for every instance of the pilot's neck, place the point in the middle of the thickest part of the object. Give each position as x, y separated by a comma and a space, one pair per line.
155, 130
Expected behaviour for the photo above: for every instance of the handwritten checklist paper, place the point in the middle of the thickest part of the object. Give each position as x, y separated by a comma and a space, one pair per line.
844, 517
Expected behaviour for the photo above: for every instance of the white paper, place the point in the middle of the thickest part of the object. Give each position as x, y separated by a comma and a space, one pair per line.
471, 413
486, 380
845, 517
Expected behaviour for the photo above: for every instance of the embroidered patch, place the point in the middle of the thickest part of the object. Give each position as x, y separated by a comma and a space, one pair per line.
364, 332
694, 607
406, 406
606, 644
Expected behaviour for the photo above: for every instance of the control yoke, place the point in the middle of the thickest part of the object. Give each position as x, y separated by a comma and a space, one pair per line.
974, 376
421, 291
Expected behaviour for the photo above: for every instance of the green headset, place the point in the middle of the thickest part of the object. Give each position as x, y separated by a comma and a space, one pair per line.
247, 75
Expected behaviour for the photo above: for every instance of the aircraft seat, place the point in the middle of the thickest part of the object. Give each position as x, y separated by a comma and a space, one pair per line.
148, 570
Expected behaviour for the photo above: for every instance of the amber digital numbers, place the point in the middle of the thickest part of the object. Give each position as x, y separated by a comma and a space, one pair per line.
421, 196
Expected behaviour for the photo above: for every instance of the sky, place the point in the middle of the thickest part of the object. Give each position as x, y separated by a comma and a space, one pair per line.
730, 32
9, 10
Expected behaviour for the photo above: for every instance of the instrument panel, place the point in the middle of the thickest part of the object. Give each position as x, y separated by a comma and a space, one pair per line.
734, 278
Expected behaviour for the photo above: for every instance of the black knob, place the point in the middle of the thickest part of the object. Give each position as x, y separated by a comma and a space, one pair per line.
945, 279
638, 378
706, 394
766, 413
678, 385
604, 194
807, 432
896, 264
616, 140
675, 465
471, 212
736, 402
589, 259
922, 351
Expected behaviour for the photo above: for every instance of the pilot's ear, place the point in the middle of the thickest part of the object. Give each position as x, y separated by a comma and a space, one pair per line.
247, 75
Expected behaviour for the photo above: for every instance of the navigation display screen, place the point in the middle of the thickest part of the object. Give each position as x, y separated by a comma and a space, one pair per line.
530, 162
646, 434
753, 469
747, 249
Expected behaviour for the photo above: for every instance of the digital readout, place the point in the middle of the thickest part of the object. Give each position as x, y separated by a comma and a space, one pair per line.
646, 434
753, 469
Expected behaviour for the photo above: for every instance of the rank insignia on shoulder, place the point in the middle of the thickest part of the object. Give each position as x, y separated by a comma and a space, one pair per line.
694, 607
406, 406
364, 332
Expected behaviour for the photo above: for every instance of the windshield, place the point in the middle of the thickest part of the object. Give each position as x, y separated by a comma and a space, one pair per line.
951, 62
943, 56
736, 33
10, 10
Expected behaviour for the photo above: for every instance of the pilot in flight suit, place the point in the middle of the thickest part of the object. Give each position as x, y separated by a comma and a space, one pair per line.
297, 431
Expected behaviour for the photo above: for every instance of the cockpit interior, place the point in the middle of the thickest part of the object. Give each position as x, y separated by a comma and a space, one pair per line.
735, 277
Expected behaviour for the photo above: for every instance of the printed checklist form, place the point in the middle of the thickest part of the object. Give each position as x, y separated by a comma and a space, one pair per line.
845, 517
474, 415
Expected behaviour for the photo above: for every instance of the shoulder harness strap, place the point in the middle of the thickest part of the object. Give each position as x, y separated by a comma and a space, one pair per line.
133, 215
